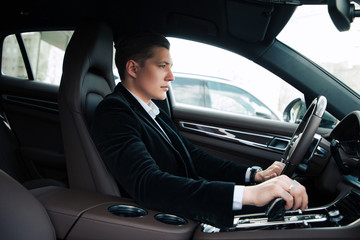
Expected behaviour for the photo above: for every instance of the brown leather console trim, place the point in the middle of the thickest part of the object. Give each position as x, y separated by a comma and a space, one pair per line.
65, 206
84, 215
100, 224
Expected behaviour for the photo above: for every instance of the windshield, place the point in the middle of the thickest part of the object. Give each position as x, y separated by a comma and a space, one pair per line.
311, 32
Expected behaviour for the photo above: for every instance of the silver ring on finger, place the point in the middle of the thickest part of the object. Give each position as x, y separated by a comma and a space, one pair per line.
290, 188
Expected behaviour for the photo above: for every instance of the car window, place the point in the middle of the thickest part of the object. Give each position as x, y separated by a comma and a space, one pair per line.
232, 83
12, 63
44, 51
231, 98
189, 91
337, 52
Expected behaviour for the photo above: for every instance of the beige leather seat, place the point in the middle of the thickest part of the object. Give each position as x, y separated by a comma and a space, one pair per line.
22, 216
87, 78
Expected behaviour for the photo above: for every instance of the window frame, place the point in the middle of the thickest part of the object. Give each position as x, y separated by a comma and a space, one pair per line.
27, 58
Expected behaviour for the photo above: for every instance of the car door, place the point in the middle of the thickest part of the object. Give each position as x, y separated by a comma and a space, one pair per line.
240, 137
31, 70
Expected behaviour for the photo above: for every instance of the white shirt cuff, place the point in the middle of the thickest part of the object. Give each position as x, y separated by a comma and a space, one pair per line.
238, 197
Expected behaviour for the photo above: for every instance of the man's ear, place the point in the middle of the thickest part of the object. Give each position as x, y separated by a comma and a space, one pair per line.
132, 68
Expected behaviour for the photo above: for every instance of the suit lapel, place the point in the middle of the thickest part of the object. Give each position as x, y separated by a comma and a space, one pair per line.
179, 147
140, 111
152, 123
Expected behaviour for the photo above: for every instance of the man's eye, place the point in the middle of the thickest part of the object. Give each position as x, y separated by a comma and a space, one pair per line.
162, 66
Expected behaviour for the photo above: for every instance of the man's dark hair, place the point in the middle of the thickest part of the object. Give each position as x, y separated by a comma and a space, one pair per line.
138, 47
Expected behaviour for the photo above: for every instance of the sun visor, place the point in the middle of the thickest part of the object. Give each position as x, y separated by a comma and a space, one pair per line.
248, 22
191, 26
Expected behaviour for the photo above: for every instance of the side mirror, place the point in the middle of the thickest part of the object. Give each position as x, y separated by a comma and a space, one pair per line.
342, 13
294, 111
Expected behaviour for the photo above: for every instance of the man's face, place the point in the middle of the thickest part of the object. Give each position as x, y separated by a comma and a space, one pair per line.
153, 78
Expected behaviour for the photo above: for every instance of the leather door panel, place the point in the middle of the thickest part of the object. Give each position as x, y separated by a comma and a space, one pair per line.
31, 109
249, 140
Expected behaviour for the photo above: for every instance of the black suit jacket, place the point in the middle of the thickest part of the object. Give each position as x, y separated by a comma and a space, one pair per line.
170, 176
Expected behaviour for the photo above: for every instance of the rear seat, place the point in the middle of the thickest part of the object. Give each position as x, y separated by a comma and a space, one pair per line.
11, 161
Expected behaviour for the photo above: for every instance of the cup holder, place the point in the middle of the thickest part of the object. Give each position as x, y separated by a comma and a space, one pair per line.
127, 211
170, 219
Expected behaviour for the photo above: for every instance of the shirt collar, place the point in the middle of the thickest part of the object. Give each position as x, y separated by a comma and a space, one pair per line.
150, 108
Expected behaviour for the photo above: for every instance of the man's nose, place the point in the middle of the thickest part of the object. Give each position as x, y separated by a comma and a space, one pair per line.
170, 76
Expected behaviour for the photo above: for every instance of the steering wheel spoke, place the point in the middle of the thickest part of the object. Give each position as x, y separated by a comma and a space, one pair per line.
303, 135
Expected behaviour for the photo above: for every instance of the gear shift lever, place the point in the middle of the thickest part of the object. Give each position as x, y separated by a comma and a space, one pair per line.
276, 210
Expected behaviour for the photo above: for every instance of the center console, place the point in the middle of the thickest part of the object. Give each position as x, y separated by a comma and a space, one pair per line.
342, 213
85, 215
336, 220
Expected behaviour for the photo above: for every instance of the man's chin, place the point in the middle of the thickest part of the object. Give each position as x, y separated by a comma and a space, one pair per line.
160, 97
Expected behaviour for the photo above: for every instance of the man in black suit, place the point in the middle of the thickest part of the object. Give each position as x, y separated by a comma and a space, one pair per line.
155, 165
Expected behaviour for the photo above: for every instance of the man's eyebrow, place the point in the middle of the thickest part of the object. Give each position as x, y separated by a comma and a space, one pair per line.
167, 63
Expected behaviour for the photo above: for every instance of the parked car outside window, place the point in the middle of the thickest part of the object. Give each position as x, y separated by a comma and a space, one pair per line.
219, 94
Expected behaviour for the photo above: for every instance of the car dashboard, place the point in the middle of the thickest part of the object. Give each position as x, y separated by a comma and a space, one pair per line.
332, 160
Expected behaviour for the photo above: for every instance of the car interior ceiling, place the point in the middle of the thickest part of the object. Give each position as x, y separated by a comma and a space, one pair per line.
203, 26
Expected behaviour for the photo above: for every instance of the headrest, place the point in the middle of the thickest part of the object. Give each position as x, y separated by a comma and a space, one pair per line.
90, 51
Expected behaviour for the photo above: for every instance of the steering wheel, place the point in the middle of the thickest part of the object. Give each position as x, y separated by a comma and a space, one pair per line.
303, 136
